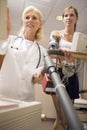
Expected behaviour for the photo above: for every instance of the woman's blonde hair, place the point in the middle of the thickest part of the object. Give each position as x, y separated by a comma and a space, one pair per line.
39, 33
76, 12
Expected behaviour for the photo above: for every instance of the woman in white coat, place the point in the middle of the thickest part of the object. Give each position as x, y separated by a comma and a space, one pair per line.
23, 58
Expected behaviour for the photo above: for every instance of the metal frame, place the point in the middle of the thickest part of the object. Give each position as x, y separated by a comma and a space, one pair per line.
69, 110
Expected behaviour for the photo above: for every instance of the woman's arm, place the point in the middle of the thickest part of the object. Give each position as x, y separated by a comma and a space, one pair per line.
54, 40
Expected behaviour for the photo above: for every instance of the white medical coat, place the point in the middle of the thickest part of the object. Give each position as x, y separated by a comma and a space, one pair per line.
19, 65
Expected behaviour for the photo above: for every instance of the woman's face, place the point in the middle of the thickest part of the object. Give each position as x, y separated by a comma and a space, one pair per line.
31, 22
70, 18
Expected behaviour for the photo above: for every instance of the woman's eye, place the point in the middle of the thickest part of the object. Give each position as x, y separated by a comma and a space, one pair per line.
34, 18
31, 17
71, 15
27, 17
66, 15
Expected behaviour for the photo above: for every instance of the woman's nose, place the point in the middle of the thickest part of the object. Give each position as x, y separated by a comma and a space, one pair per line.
30, 19
69, 16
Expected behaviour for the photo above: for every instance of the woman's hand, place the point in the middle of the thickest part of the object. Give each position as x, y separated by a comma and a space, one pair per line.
38, 76
67, 53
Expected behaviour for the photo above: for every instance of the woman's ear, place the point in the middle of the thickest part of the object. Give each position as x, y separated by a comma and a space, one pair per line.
41, 23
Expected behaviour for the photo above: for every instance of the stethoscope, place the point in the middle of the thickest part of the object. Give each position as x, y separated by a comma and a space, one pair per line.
16, 38
22, 38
